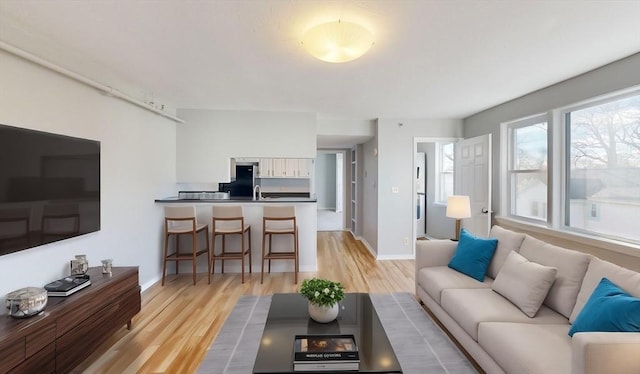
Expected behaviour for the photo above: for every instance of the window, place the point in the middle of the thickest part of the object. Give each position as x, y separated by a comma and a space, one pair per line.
602, 167
577, 168
527, 168
444, 165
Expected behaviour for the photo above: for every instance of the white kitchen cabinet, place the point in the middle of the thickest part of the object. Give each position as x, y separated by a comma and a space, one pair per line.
264, 168
304, 167
284, 168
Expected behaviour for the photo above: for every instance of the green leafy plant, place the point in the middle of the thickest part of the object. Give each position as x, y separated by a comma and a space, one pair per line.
322, 292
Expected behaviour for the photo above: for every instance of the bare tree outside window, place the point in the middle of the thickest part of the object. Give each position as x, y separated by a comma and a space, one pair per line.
528, 169
603, 163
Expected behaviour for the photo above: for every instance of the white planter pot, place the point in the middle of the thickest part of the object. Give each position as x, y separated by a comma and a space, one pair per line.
323, 314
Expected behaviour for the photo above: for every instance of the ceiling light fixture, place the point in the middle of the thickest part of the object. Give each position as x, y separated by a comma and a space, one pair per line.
337, 41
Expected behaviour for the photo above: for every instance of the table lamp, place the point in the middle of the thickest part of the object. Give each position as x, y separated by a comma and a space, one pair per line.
458, 207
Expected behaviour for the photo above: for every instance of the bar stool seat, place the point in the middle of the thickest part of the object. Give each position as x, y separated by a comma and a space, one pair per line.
279, 220
229, 220
178, 221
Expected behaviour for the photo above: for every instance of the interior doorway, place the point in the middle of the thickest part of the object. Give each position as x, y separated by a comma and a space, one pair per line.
330, 191
429, 180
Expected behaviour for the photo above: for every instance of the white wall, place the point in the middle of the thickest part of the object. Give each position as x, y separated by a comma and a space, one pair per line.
209, 138
137, 166
396, 211
369, 200
348, 127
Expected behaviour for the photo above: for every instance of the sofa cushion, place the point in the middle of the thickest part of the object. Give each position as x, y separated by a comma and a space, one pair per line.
435, 279
626, 279
571, 265
470, 307
524, 283
609, 309
507, 241
527, 348
473, 255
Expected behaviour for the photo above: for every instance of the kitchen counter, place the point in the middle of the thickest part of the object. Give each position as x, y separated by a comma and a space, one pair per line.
175, 199
306, 217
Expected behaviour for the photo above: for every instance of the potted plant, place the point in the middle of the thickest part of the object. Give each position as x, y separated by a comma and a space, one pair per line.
323, 296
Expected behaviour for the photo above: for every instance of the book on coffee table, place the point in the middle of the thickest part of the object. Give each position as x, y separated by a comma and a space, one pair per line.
325, 353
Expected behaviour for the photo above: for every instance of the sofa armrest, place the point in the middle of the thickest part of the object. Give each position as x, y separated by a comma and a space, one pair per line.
605, 352
431, 253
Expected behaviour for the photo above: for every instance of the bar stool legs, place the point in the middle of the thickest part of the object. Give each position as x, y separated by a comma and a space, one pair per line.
229, 220
181, 221
279, 220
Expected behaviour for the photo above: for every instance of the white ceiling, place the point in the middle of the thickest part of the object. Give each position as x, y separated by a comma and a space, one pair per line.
431, 59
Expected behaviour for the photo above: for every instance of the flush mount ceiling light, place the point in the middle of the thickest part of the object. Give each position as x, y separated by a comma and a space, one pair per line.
337, 41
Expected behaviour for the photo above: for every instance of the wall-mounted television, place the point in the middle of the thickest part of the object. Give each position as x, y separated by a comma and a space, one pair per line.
49, 188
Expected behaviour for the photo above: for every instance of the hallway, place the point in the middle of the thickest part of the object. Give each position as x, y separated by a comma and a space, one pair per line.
330, 220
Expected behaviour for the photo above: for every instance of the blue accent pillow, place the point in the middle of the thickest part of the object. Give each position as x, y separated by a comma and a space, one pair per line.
609, 309
473, 255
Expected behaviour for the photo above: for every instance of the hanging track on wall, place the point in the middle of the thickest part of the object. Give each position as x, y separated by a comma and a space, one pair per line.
107, 90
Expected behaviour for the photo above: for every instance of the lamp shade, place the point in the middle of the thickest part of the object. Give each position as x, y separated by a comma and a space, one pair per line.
337, 41
458, 207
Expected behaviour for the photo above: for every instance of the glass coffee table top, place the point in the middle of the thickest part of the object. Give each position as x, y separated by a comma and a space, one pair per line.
288, 317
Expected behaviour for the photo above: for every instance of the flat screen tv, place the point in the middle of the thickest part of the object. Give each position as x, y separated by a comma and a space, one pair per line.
49, 188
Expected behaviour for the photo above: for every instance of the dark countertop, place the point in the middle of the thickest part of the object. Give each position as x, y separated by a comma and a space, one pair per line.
236, 200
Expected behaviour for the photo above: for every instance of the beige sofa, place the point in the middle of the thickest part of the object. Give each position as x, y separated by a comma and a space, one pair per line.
500, 336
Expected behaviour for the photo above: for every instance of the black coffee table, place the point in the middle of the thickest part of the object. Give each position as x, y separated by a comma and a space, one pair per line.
288, 316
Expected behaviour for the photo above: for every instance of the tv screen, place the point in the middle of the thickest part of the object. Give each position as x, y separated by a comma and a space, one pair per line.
49, 188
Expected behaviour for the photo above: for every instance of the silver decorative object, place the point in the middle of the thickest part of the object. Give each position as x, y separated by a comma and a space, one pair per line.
26, 302
80, 265
106, 266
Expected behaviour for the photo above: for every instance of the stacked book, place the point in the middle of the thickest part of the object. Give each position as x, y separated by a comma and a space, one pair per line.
68, 285
325, 353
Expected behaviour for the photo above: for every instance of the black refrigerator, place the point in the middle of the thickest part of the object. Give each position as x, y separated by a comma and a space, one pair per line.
245, 178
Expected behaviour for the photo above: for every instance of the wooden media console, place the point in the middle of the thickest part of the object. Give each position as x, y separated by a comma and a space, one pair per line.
70, 328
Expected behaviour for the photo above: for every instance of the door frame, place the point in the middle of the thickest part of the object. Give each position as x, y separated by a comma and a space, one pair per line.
414, 191
344, 178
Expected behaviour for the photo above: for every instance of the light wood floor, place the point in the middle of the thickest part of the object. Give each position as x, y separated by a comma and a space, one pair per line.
179, 321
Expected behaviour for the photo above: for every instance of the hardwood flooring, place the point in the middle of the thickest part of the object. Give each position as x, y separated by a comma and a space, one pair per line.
179, 321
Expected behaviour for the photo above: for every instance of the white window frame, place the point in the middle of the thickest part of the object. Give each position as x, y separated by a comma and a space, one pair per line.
438, 162
557, 182
508, 170
561, 210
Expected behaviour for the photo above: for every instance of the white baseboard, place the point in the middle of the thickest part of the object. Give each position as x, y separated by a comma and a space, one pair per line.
381, 257
395, 257
365, 243
150, 283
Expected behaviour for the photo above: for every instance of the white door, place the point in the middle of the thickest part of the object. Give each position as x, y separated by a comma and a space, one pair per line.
472, 177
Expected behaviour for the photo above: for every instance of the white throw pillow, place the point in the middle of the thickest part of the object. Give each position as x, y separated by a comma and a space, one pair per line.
524, 283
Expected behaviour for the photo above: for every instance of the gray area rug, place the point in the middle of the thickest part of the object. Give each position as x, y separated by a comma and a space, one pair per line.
420, 345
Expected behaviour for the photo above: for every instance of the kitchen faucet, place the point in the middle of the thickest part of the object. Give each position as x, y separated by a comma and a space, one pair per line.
259, 192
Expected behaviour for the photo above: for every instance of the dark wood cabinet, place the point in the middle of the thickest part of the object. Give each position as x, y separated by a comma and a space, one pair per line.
72, 327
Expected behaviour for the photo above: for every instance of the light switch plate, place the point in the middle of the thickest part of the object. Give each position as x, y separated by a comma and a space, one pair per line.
395, 189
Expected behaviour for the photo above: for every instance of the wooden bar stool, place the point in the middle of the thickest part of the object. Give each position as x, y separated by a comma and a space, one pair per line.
179, 221
229, 220
279, 220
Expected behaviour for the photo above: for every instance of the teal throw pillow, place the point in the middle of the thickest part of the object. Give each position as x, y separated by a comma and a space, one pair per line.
473, 255
609, 309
